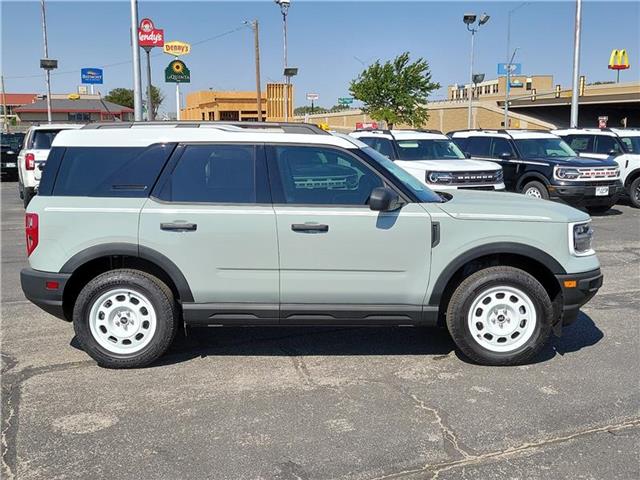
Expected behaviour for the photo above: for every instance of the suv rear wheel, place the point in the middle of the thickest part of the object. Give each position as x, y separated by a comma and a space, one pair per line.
536, 190
634, 193
500, 316
125, 318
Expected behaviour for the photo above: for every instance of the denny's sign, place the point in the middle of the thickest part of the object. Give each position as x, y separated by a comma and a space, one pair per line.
177, 48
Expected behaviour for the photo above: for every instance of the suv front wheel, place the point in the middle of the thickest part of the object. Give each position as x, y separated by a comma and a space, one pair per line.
500, 316
125, 318
536, 190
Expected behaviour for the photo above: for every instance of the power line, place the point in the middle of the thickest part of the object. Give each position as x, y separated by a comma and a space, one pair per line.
125, 62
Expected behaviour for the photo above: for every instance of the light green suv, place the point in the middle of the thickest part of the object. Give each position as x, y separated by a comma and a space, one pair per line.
138, 229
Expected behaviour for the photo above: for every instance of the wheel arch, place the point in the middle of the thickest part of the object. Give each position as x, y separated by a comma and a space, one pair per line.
631, 176
530, 259
529, 176
92, 261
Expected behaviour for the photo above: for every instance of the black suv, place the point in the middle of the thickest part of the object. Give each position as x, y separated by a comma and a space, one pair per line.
11, 143
540, 164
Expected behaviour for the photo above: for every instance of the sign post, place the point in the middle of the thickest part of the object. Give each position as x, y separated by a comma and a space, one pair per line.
509, 69
177, 72
182, 74
149, 37
312, 97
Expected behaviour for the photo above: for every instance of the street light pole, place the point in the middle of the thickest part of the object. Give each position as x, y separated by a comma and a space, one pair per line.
470, 19
284, 9
507, 89
256, 46
576, 66
135, 53
46, 56
150, 116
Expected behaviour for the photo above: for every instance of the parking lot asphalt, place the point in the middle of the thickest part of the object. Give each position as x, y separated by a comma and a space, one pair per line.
317, 403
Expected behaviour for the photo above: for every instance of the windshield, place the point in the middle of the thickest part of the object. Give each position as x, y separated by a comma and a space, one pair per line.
428, 149
631, 144
544, 147
421, 191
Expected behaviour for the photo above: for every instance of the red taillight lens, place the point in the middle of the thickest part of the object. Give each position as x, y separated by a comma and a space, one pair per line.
30, 161
31, 229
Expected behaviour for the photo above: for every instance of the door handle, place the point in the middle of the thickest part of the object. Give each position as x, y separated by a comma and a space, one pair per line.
310, 227
179, 227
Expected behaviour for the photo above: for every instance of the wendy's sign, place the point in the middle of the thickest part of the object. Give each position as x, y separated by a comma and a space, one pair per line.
148, 35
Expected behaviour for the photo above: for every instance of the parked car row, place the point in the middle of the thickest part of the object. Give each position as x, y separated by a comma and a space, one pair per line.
535, 163
140, 230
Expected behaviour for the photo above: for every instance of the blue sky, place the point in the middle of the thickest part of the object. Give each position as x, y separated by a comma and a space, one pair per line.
328, 40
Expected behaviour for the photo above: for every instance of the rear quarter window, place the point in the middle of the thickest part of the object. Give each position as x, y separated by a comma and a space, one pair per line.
104, 171
42, 139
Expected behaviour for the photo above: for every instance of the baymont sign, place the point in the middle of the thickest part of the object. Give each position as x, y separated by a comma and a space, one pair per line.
177, 48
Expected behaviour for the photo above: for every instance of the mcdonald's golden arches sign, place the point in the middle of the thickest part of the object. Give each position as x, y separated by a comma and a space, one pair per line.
619, 60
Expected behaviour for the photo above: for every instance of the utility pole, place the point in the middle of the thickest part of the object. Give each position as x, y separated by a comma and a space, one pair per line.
256, 43
135, 53
576, 67
46, 56
4, 106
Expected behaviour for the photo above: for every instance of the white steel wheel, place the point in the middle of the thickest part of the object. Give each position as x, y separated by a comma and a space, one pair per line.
533, 192
502, 318
122, 321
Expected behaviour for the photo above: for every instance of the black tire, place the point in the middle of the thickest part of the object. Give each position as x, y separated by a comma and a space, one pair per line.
634, 193
536, 186
157, 293
471, 288
27, 195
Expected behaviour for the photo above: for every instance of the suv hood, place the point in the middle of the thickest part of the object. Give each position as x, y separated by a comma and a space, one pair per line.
448, 165
500, 206
573, 161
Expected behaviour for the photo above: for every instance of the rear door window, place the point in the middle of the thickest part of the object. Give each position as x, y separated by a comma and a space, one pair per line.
42, 139
382, 145
580, 143
607, 145
107, 171
500, 146
232, 174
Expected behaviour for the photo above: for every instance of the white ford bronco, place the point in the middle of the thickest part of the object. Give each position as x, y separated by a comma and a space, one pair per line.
141, 229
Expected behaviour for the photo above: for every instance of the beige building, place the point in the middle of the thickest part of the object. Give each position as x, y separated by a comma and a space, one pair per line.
237, 105
521, 85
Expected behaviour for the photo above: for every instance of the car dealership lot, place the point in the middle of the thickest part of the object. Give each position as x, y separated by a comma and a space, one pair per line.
326, 402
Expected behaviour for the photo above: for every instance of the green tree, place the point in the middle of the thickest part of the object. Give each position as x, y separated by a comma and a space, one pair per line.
395, 91
124, 97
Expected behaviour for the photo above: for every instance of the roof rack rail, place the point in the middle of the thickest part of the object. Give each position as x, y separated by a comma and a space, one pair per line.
370, 129
287, 127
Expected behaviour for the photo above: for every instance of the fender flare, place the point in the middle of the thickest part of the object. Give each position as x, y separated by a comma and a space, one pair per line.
527, 176
521, 249
132, 250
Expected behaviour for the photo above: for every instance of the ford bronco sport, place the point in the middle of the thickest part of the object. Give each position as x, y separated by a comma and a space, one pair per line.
433, 158
541, 165
621, 145
139, 229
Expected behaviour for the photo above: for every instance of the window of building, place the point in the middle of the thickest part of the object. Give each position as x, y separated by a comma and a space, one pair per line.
214, 174
79, 116
323, 176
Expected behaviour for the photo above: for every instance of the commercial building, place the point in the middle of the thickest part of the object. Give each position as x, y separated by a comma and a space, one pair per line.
237, 105
496, 87
11, 101
73, 108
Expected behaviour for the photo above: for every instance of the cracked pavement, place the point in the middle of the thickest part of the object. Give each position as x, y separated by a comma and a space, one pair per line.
318, 403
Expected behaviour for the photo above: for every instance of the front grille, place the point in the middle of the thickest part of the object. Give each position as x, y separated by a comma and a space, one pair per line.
597, 173
471, 178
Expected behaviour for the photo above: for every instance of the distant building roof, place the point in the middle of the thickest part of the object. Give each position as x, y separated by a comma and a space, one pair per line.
72, 106
19, 98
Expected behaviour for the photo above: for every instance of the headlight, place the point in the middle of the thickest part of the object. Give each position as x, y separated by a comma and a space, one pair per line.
438, 177
566, 173
581, 235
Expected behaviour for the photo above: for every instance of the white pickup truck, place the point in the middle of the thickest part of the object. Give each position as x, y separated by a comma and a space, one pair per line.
33, 156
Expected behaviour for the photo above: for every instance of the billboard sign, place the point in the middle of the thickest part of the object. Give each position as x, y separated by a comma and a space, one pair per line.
619, 60
91, 75
312, 96
516, 68
345, 100
177, 48
148, 35
177, 72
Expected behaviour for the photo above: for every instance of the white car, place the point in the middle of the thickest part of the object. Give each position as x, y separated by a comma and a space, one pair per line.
433, 159
33, 156
623, 145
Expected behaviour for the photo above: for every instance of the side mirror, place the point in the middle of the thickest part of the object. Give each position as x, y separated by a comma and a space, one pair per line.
613, 152
383, 199
467, 155
505, 155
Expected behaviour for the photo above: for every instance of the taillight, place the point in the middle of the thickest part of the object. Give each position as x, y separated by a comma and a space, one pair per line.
30, 161
31, 229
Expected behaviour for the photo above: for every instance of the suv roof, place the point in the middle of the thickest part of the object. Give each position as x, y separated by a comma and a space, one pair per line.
610, 132
400, 134
145, 134
287, 127
508, 133
57, 126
